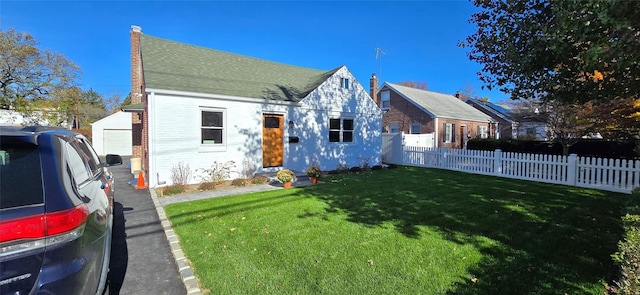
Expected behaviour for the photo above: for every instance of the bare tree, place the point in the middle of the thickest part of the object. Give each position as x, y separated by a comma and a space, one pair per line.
468, 91
415, 84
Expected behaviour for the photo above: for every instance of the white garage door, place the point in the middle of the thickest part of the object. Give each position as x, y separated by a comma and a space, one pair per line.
117, 142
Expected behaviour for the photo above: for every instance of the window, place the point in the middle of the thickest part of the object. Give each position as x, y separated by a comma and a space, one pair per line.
393, 128
340, 130
415, 128
272, 122
483, 131
385, 100
79, 170
449, 130
531, 131
212, 129
344, 83
20, 173
87, 152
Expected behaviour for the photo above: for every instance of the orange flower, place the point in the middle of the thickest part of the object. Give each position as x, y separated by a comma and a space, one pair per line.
597, 76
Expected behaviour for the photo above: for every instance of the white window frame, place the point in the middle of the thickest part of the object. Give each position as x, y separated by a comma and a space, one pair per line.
342, 131
449, 130
223, 127
414, 126
385, 99
483, 131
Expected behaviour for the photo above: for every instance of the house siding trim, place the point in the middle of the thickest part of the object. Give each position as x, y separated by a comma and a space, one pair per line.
221, 97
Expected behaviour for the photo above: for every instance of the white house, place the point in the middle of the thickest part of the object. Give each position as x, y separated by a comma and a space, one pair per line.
112, 134
38, 117
195, 106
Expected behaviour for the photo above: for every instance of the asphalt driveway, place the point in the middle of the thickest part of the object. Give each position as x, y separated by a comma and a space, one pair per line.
141, 259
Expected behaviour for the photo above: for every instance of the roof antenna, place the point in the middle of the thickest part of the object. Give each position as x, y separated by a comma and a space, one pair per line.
379, 54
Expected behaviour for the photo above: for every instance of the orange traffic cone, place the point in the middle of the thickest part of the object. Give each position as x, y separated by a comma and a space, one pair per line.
141, 184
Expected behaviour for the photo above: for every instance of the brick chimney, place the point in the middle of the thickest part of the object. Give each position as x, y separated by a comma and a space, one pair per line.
373, 88
137, 119
136, 65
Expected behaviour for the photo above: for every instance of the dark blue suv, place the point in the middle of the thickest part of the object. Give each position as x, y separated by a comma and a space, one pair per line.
56, 212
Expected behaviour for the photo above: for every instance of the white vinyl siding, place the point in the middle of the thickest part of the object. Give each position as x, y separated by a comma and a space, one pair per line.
175, 127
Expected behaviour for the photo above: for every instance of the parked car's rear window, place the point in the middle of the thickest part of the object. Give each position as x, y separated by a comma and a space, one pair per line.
20, 174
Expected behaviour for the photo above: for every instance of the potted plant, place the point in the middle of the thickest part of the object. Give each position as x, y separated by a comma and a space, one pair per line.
285, 176
314, 173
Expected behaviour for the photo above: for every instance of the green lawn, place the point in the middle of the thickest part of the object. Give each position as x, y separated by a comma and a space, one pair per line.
404, 231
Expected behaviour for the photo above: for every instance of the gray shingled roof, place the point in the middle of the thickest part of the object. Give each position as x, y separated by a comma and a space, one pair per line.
171, 65
440, 105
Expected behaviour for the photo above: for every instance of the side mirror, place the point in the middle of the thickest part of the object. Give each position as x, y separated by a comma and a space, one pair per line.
113, 160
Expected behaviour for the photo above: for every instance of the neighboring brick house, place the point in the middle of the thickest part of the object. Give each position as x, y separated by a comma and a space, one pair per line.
196, 106
504, 127
417, 111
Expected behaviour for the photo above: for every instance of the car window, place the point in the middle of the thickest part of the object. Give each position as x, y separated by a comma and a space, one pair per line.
91, 157
77, 165
20, 174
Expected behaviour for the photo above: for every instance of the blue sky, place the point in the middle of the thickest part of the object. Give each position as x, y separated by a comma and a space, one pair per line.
419, 38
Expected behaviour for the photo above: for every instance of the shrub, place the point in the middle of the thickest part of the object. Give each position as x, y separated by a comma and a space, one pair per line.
207, 186
248, 170
174, 189
180, 173
259, 180
356, 169
239, 182
285, 175
314, 171
218, 172
376, 167
364, 164
628, 255
342, 168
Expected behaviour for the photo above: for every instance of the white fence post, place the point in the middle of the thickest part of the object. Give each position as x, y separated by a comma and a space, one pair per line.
497, 162
572, 169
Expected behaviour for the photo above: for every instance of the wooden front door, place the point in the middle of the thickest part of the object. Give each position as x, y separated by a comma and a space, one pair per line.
272, 140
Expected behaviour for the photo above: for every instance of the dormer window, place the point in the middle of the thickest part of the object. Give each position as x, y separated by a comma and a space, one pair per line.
344, 83
385, 100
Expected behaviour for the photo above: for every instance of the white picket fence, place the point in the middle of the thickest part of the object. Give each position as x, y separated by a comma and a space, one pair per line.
392, 144
605, 174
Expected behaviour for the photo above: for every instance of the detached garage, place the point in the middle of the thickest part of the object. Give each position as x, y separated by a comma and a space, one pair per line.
112, 134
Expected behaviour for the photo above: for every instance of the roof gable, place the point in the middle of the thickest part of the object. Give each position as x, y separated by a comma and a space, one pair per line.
177, 66
438, 104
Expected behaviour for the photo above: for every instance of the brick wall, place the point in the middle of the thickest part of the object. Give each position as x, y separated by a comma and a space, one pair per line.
139, 121
404, 113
